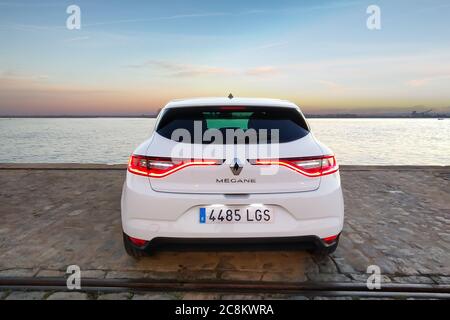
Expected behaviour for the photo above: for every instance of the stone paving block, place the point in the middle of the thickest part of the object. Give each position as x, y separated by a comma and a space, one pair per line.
342, 265
441, 279
240, 275
373, 298
282, 277
11, 273
403, 266
115, 296
297, 297
125, 275
362, 278
309, 265
275, 296
326, 264
413, 279
26, 295
200, 296
158, 275
4, 294
331, 298
68, 296
196, 275
51, 274
328, 277
422, 269
250, 296
93, 274
386, 266
357, 260
156, 296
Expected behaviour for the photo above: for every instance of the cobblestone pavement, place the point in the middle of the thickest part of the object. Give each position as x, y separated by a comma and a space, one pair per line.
65, 295
396, 218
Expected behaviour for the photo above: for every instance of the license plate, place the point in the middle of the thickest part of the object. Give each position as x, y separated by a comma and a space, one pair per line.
226, 214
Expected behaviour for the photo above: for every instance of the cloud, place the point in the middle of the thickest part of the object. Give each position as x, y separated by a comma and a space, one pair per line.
302, 8
333, 86
77, 39
263, 71
335, 5
416, 83
267, 46
16, 4
191, 70
174, 17
272, 45
185, 70
9, 77
30, 27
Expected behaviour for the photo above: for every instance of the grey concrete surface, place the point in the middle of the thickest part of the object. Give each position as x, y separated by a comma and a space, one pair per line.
396, 217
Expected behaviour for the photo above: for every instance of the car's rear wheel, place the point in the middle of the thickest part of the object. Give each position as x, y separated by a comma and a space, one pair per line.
131, 249
324, 251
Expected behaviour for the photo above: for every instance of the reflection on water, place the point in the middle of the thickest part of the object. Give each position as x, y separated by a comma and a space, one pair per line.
106, 140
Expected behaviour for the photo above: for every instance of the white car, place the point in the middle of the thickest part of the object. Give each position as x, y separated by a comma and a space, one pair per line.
199, 180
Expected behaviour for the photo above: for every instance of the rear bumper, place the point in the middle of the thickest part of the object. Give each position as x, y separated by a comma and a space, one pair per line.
263, 243
148, 215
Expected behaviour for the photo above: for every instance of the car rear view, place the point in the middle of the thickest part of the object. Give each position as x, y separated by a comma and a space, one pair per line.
231, 170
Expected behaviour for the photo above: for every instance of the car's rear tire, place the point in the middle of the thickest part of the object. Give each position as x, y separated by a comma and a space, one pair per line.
325, 251
131, 249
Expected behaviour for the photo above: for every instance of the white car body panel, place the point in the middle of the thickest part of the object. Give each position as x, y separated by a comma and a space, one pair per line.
203, 179
257, 102
147, 214
169, 207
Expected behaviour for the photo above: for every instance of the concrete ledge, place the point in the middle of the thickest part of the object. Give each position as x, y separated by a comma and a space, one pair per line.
394, 168
100, 166
61, 166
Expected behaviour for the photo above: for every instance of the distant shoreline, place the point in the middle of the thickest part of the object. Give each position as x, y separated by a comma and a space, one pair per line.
309, 116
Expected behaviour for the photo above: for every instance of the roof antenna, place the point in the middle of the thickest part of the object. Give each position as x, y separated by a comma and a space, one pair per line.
230, 96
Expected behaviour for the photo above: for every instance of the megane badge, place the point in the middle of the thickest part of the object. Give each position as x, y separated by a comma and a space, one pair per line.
236, 167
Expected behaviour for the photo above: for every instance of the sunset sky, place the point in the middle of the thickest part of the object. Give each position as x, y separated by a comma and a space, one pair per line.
131, 57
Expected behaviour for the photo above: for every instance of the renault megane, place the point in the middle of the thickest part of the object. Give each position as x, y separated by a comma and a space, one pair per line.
233, 170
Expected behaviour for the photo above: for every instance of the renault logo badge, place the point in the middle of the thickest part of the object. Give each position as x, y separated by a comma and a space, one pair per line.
236, 167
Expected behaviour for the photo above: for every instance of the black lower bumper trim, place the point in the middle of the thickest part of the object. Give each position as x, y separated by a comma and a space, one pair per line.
260, 243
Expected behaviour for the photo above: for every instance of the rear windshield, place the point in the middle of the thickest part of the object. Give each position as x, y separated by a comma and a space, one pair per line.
288, 123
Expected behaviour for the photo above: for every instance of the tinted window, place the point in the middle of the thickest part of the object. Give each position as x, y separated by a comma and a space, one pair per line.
289, 122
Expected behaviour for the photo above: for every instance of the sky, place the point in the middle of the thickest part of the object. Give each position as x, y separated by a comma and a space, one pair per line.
132, 57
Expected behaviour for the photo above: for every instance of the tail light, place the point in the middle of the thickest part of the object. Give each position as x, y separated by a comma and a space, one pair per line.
310, 167
157, 167
330, 240
138, 242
